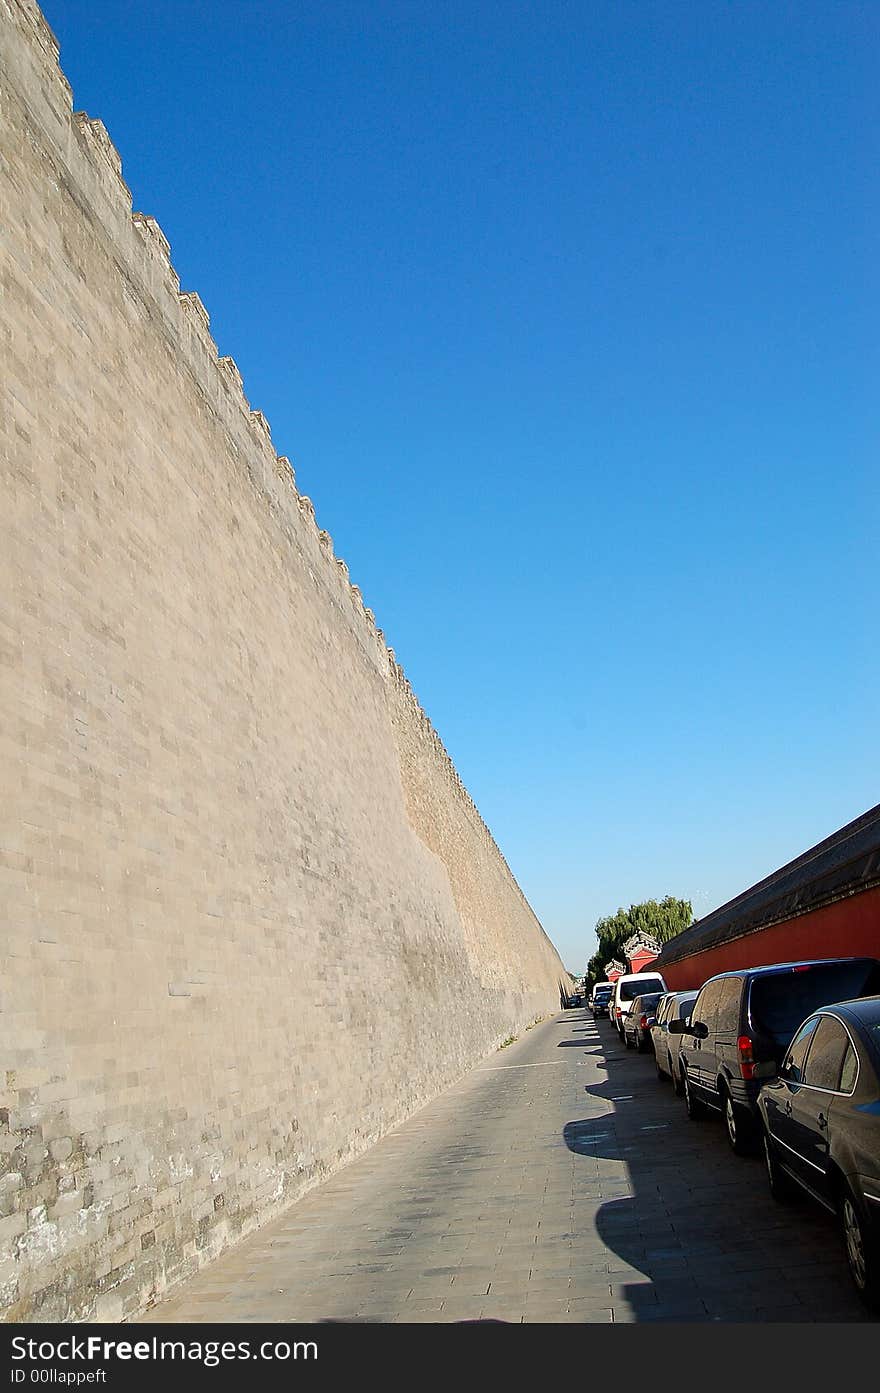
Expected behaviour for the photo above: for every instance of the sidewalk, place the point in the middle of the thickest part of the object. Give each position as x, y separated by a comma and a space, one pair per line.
559, 1181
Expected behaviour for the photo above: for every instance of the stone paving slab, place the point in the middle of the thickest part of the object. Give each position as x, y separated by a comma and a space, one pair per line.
560, 1181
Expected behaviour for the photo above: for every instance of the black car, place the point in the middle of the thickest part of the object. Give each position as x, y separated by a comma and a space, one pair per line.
637, 1023
575, 999
741, 1026
601, 998
821, 1128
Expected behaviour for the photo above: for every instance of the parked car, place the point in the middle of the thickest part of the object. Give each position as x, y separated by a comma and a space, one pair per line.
638, 1021
574, 999
672, 1006
821, 1128
626, 989
741, 1026
601, 997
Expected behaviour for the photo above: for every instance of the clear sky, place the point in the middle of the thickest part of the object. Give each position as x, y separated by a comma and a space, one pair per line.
567, 316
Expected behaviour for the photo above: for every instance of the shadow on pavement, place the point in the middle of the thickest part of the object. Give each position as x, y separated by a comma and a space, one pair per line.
690, 1230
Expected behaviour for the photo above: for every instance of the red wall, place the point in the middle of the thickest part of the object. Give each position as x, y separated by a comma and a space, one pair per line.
641, 959
848, 928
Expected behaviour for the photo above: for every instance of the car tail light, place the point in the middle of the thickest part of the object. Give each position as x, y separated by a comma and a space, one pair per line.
746, 1056
643, 1022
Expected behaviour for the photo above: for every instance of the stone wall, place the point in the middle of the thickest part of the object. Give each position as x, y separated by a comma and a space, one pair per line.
251, 918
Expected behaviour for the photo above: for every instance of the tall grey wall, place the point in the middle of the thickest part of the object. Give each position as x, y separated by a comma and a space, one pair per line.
251, 918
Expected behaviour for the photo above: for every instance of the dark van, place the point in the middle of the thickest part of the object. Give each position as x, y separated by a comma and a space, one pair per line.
741, 1026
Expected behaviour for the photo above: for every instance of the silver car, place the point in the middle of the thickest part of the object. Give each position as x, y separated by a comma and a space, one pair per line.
674, 1005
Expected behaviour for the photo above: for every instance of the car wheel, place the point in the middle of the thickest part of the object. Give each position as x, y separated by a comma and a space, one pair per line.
695, 1108
781, 1187
661, 1072
626, 1040
643, 1044
675, 1075
862, 1255
737, 1126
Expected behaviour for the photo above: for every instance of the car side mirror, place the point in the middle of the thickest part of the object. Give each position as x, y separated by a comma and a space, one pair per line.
699, 1029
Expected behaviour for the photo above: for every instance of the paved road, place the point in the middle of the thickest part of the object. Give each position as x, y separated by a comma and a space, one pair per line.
559, 1181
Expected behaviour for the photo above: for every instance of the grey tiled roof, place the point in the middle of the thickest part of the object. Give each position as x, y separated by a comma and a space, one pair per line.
843, 864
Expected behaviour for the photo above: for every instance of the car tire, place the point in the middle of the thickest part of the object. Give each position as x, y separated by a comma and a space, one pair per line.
861, 1248
661, 1072
675, 1075
781, 1185
643, 1044
738, 1126
626, 1040
695, 1109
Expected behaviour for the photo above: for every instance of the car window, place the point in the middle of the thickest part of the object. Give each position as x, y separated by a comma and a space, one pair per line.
654, 985
685, 1008
849, 1070
706, 1005
779, 1000
793, 1065
824, 1061
629, 990
728, 1006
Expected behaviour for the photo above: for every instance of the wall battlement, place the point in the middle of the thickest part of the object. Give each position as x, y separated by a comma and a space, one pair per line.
252, 917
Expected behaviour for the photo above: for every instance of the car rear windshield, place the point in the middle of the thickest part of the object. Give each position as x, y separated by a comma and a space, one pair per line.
630, 990
780, 1001
603, 991
649, 1001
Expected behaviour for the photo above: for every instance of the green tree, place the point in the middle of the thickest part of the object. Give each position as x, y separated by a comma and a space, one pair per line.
663, 919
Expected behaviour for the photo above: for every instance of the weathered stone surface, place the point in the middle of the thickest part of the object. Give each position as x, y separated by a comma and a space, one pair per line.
251, 918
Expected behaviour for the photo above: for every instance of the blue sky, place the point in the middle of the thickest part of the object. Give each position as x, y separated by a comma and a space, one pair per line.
566, 314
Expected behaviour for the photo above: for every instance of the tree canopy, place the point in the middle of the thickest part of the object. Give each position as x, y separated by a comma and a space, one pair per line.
662, 919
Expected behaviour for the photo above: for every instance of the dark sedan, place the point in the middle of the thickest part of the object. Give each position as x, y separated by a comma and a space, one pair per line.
821, 1128
601, 998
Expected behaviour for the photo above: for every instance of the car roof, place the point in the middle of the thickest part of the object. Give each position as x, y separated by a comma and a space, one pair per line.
863, 1010
768, 968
